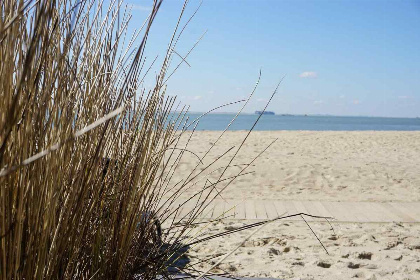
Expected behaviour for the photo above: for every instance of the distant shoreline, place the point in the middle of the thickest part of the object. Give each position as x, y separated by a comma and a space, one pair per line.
300, 115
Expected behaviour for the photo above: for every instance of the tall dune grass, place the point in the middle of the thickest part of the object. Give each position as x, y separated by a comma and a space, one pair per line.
87, 155
64, 65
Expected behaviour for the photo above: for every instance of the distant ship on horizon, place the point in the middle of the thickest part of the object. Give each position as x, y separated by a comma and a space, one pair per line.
264, 113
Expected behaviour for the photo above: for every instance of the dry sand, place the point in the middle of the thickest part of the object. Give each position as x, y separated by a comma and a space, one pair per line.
289, 250
317, 165
311, 165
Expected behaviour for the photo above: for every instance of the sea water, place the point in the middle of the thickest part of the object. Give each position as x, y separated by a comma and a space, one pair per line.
295, 122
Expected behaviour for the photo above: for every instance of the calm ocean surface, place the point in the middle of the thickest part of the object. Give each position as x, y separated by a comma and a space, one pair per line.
279, 122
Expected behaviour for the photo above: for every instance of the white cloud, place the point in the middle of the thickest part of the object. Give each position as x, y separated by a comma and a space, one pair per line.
356, 101
261, 100
308, 74
140, 8
403, 97
197, 97
342, 96
318, 102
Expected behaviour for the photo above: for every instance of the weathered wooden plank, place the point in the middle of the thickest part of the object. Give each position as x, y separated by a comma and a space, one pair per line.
371, 211
281, 208
250, 210
415, 206
270, 209
291, 210
240, 210
313, 209
339, 213
403, 210
261, 214
405, 217
411, 208
230, 209
384, 213
300, 208
208, 212
348, 211
360, 210
219, 208
322, 209
381, 214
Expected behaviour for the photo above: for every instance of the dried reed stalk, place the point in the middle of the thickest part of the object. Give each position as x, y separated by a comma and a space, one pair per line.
63, 213
87, 155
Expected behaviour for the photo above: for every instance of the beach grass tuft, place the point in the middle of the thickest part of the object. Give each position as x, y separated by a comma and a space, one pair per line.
83, 155
87, 154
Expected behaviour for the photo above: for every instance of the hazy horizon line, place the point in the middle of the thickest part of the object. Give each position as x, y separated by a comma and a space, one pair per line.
309, 115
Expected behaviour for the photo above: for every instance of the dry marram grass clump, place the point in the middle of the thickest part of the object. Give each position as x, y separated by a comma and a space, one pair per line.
82, 147
87, 154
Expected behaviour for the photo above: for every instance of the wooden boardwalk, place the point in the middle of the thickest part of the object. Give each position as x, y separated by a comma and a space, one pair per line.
363, 212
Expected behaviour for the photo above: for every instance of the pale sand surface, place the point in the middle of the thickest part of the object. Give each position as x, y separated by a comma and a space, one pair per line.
289, 250
316, 165
323, 166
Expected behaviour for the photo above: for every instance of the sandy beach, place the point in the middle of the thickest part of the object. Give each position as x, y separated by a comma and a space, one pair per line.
312, 165
318, 166
288, 250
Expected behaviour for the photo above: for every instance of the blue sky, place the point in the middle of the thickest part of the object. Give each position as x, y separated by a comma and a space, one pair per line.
338, 57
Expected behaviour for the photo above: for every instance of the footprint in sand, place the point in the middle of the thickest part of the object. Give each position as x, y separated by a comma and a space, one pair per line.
323, 264
354, 265
365, 256
333, 237
392, 244
291, 249
298, 263
273, 251
228, 267
265, 241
